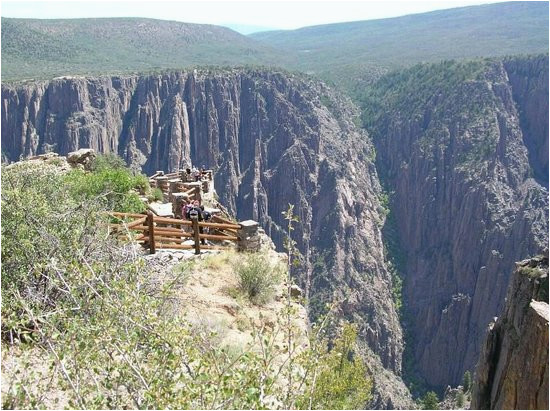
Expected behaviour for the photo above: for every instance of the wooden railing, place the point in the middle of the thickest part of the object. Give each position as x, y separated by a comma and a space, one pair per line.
156, 232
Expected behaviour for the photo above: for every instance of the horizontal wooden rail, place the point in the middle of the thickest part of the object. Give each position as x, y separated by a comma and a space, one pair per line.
220, 226
118, 214
168, 239
190, 247
218, 237
168, 220
136, 223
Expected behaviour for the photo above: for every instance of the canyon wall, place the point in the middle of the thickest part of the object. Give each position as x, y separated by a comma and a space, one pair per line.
458, 146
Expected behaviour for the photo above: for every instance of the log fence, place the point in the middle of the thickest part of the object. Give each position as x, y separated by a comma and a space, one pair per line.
156, 232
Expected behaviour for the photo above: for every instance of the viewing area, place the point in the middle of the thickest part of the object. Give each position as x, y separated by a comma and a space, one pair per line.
165, 226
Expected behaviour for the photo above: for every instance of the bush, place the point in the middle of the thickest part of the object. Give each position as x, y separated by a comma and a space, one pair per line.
460, 399
258, 277
92, 323
430, 401
41, 223
157, 194
111, 181
47, 216
108, 161
467, 381
342, 382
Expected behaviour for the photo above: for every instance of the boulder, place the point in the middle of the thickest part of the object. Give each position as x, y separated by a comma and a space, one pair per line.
83, 157
295, 291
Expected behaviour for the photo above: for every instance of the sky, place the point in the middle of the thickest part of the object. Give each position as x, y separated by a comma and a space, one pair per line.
245, 16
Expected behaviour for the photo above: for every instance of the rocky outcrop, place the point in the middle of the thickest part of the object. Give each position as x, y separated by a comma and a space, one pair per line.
83, 158
512, 372
452, 147
271, 138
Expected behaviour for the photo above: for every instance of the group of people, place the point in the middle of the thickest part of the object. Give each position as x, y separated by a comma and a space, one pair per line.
194, 174
194, 209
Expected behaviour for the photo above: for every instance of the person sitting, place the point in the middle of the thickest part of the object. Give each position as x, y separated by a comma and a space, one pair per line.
196, 174
186, 209
206, 215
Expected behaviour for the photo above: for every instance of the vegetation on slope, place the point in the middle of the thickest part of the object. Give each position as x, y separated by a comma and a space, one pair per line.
39, 49
350, 55
409, 91
429, 97
362, 48
88, 326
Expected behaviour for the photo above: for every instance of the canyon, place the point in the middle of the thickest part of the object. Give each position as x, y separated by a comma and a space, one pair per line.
273, 139
462, 159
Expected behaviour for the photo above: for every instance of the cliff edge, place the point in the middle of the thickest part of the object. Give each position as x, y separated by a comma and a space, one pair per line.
512, 372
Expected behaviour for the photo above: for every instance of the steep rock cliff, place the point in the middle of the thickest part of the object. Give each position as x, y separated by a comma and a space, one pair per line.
512, 372
272, 139
453, 150
529, 81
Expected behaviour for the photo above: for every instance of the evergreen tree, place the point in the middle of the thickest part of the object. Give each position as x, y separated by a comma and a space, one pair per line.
430, 401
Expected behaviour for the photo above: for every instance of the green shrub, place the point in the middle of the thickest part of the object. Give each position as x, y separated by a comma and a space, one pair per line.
111, 181
342, 382
42, 224
467, 381
108, 161
257, 277
46, 216
84, 308
157, 194
430, 401
460, 399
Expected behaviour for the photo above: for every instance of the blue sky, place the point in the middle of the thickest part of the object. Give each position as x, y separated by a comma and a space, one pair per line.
244, 15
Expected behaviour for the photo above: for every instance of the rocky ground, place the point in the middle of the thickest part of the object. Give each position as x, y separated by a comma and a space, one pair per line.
208, 296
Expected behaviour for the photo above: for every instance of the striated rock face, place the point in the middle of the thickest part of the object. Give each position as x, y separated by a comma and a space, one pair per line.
512, 372
529, 81
272, 139
453, 147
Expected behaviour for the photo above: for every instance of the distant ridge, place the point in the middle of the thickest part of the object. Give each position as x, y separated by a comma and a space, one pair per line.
468, 32
34, 48
348, 54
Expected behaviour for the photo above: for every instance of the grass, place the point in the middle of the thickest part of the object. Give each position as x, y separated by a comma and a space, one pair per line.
256, 276
215, 262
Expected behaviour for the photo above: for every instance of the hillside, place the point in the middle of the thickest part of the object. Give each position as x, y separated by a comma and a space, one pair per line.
347, 54
91, 320
359, 49
38, 49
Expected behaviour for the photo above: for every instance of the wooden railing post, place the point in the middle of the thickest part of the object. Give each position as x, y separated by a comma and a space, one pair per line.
151, 225
195, 221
